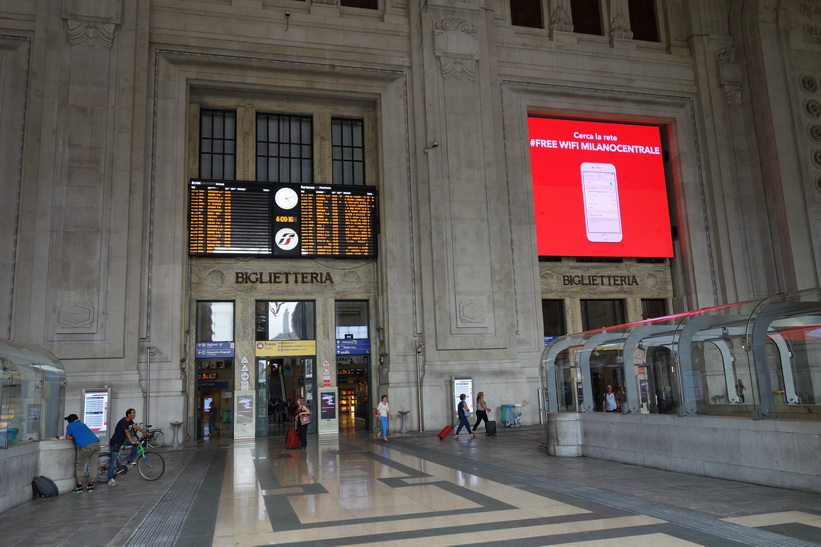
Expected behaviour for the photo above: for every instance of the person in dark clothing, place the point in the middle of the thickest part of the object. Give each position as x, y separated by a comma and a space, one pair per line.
302, 428
122, 432
481, 411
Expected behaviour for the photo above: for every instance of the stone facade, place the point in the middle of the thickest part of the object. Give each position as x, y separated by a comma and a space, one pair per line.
99, 102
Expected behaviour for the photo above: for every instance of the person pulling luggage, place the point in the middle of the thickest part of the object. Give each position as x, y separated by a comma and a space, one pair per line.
481, 411
462, 410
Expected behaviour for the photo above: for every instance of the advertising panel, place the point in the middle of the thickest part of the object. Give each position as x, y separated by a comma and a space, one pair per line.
96, 409
327, 409
460, 386
599, 189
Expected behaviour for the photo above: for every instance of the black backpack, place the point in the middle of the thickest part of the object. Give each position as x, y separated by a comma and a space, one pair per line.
44, 487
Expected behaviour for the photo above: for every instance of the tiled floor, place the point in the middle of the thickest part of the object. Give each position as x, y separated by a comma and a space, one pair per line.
413, 490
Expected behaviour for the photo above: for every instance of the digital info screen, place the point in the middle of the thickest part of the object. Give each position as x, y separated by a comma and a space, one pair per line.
598, 189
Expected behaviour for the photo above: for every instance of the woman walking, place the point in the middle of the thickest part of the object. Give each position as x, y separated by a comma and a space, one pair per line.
384, 412
462, 410
481, 411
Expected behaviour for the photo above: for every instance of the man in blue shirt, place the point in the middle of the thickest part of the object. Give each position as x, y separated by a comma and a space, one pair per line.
88, 451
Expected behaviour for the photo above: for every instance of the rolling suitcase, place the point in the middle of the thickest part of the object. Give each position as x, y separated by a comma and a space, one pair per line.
292, 439
445, 432
490, 428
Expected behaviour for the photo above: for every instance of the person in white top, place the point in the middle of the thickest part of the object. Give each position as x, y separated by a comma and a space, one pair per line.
384, 412
609, 403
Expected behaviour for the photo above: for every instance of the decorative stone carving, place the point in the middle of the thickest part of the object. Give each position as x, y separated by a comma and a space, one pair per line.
808, 83
549, 281
561, 20
620, 27
814, 131
90, 32
812, 108
816, 157
457, 46
75, 315
351, 280
471, 313
652, 280
729, 73
215, 279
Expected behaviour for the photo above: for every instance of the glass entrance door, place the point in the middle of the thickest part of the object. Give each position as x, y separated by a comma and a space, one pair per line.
286, 361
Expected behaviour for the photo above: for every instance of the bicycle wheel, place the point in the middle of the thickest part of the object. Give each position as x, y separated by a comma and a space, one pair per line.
151, 466
157, 439
102, 468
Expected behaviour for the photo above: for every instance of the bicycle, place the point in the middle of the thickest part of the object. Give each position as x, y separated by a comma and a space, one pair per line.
150, 465
156, 437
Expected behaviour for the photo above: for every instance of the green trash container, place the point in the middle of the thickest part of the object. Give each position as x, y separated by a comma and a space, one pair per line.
779, 397
506, 414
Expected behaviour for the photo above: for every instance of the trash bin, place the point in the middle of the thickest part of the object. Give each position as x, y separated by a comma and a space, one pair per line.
9, 435
779, 397
503, 410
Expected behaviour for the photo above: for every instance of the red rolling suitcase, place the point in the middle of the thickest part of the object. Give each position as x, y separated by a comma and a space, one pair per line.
292, 439
445, 432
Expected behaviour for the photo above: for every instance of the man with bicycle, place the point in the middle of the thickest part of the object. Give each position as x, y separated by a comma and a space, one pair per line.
122, 432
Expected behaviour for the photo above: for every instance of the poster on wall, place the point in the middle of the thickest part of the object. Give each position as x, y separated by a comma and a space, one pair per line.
599, 189
96, 409
460, 386
245, 409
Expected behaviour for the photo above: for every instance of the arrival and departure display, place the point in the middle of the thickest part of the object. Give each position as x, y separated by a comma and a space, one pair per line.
599, 189
282, 220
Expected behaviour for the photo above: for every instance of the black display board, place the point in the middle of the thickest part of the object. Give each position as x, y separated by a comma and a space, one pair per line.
282, 220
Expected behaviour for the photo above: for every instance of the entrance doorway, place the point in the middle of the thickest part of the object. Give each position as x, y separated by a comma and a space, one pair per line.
288, 379
215, 397
354, 397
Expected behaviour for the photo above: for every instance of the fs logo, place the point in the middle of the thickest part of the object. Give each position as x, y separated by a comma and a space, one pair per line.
286, 239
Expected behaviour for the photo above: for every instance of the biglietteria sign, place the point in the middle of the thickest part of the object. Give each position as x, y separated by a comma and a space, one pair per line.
282, 277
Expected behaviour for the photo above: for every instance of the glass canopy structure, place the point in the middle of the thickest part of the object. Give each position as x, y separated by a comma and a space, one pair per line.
32, 394
760, 359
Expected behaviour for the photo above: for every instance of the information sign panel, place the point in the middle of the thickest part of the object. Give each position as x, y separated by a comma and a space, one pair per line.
96, 409
282, 220
327, 409
460, 386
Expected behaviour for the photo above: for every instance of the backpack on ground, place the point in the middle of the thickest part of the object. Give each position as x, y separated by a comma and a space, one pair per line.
44, 487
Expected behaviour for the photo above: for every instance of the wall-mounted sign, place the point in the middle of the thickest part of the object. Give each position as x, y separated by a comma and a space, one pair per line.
212, 350
282, 220
283, 278
211, 384
96, 409
599, 189
286, 348
460, 386
353, 346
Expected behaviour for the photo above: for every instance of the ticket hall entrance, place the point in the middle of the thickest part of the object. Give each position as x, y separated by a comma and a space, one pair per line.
257, 354
335, 389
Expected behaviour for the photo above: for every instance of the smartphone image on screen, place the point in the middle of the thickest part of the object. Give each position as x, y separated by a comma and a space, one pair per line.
602, 216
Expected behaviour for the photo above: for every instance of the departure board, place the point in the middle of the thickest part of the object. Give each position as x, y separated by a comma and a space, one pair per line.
282, 220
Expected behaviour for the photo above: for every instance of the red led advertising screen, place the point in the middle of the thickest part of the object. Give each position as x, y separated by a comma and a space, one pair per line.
598, 189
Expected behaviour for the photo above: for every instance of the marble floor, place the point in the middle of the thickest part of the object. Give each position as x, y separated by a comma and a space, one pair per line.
353, 489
